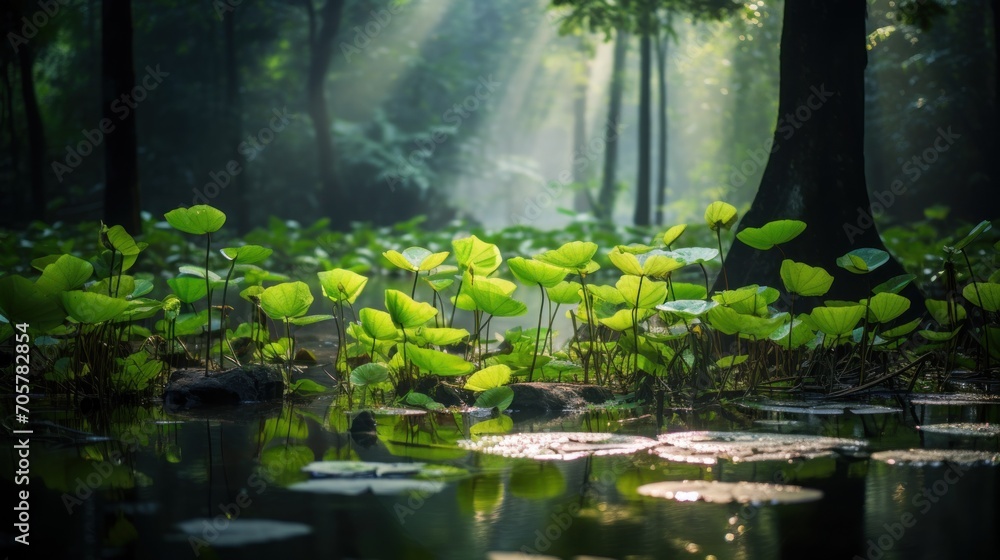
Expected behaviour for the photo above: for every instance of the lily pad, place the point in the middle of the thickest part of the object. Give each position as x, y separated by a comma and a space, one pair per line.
707, 447
955, 399
812, 407
355, 469
377, 486
963, 429
558, 446
937, 457
756, 493
243, 532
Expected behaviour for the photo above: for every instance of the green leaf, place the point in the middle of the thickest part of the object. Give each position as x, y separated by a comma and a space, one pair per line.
369, 374
685, 290
805, 280
837, 321
491, 299
939, 311
488, 378
771, 234
653, 263
980, 228
862, 261
21, 301
310, 319
887, 306
247, 254
438, 336
477, 256
407, 312
124, 244
565, 292
341, 285
625, 319
437, 362
642, 293
687, 308
720, 215
306, 387
574, 256
894, 285
673, 233
378, 324
423, 401
200, 219
188, 289
440, 280
693, 255
935, 336
983, 294
65, 273
91, 308
499, 425
499, 398
730, 361
728, 321
415, 259
535, 272
901, 330
286, 300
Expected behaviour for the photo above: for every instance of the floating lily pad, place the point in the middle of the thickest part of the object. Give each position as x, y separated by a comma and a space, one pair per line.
354, 469
243, 532
756, 493
707, 447
955, 399
558, 446
397, 411
937, 457
963, 429
377, 486
812, 407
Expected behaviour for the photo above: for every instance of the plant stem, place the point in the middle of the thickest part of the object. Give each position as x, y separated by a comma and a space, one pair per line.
538, 332
208, 294
725, 277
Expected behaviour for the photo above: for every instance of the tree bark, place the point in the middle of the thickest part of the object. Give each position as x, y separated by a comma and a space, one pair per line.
581, 199
606, 196
322, 30
661, 171
36, 133
234, 118
815, 172
642, 185
121, 167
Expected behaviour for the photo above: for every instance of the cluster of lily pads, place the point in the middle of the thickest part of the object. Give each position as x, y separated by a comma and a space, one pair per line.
641, 328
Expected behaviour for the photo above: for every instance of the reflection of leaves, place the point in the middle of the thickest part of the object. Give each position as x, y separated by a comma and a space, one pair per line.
283, 465
537, 481
481, 494
288, 425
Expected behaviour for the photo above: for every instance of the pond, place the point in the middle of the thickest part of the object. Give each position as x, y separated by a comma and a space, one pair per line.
139, 482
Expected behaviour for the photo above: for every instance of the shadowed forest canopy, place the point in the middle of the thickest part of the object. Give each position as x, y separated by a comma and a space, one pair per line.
501, 112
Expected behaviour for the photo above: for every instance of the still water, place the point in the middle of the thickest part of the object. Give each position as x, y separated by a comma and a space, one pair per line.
142, 476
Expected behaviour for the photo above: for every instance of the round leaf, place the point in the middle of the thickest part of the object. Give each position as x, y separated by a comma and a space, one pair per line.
837, 321
720, 215
771, 234
575, 255
247, 254
437, 362
369, 374
476, 255
415, 259
488, 378
673, 233
286, 300
862, 261
341, 285
90, 308
805, 280
407, 312
536, 272
983, 294
887, 306
198, 220
499, 398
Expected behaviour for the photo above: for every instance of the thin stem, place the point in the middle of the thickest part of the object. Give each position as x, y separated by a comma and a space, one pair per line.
413, 290
725, 277
208, 293
538, 333
222, 319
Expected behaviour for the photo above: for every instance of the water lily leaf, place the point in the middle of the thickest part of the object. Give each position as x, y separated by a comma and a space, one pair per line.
983, 294
378, 324
64, 274
488, 378
306, 387
499, 425
491, 299
242, 532
574, 255
805, 280
185, 324
837, 321
693, 255
886, 306
641, 292
894, 285
625, 319
438, 336
341, 285
499, 398
565, 292
197, 220
286, 300
938, 309
535, 272
437, 362
673, 233
310, 319
247, 254
91, 308
685, 290
720, 215
728, 321
688, 308
653, 263
407, 312
415, 259
122, 243
731, 361
559, 446
21, 301
477, 256
937, 457
771, 233
730, 492
980, 228
376, 486
801, 331
862, 261
936, 336
423, 401
369, 374
901, 330
443, 277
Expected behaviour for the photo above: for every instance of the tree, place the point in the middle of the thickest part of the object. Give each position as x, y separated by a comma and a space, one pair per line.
606, 195
815, 172
121, 167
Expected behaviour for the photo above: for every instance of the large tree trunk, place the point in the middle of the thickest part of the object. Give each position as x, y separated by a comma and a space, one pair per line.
333, 196
815, 172
234, 122
581, 200
661, 171
642, 185
606, 196
121, 168
36, 133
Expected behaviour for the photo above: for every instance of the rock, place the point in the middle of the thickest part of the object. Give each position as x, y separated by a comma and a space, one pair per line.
447, 395
556, 397
190, 388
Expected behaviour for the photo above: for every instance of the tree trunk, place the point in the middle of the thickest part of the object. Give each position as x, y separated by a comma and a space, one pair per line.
581, 200
815, 172
606, 197
121, 168
36, 133
642, 185
333, 197
661, 171
234, 122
